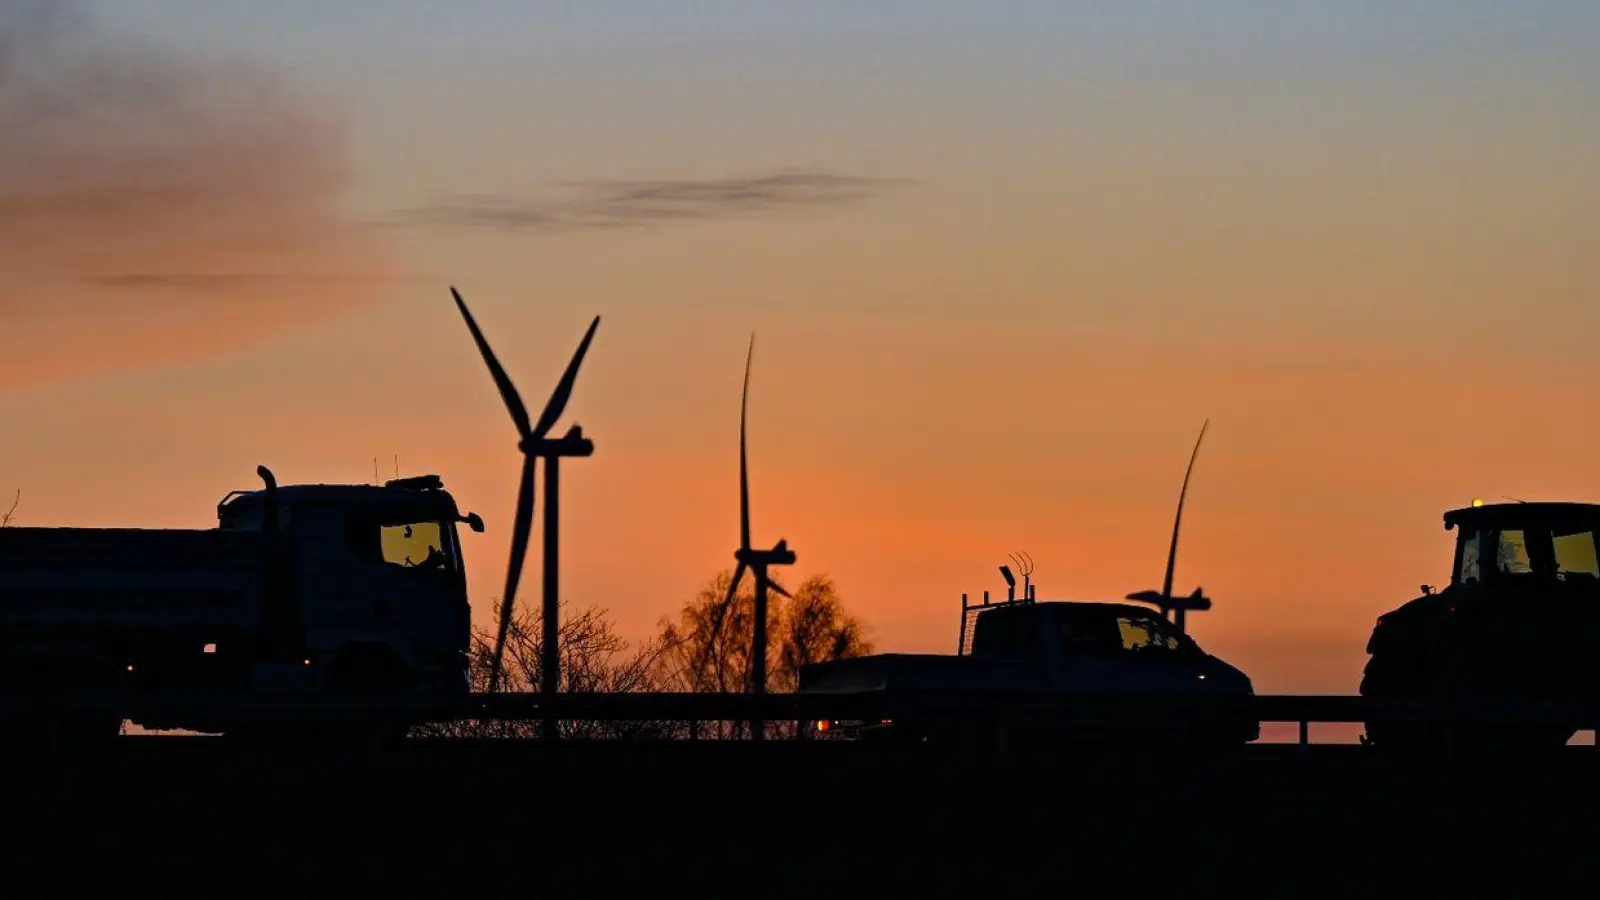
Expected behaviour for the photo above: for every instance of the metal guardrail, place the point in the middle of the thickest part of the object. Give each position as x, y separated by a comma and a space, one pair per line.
707, 707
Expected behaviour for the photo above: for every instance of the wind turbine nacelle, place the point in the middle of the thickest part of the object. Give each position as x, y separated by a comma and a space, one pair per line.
1195, 602
779, 555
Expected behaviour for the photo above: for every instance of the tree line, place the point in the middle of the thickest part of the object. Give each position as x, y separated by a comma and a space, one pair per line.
705, 648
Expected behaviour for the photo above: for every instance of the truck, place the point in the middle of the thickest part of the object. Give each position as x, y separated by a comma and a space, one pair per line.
301, 592
1084, 653
1514, 628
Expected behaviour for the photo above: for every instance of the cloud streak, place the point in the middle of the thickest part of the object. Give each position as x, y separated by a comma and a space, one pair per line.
634, 204
134, 177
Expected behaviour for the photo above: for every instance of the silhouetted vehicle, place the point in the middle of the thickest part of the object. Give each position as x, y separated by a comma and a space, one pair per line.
1516, 625
1058, 649
302, 591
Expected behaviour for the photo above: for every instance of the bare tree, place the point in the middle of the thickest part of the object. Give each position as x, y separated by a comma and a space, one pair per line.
594, 659
814, 627
708, 647
11, 513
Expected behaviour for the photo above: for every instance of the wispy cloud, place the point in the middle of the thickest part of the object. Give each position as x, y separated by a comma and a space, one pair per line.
220, 281
132, 173
631, 204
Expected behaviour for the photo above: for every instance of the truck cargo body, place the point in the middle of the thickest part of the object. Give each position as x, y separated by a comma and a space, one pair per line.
128, 582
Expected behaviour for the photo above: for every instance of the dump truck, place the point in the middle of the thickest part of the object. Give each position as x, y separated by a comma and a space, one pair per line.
1069, 653
301, 592
1514, 628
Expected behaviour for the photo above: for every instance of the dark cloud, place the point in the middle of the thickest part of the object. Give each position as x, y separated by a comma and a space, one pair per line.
132, 173
626, 204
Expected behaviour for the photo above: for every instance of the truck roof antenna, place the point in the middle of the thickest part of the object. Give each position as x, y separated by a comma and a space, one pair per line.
1025, 566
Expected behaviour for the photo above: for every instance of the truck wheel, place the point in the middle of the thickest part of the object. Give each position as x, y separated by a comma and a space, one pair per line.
375, 673
61, 731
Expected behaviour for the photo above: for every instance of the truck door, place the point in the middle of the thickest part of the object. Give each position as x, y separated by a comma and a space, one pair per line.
409, 585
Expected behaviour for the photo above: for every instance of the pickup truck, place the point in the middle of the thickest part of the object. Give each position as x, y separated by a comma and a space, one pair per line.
1052, 651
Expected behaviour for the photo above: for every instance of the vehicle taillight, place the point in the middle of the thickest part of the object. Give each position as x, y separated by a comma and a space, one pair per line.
823, 725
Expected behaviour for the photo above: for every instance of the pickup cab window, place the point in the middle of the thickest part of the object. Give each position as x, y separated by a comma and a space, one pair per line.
1143, 635
1088, 635
1011, 633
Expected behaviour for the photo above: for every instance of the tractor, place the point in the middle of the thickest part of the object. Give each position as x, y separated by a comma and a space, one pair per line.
1514, 629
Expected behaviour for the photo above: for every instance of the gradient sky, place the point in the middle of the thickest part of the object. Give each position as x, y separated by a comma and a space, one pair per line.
1361, 238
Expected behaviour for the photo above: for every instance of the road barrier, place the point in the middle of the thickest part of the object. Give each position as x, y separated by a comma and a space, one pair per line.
711, 707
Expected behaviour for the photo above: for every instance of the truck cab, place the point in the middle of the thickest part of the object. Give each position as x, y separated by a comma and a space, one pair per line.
375, 588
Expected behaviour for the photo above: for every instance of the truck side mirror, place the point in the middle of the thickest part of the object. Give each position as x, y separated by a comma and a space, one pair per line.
474, 521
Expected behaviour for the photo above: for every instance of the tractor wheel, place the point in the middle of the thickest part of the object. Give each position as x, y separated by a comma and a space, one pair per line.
1387, 678
1397, 680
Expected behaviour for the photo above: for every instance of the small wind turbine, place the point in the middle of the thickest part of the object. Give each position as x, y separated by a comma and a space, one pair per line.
535, 445
1163, 599
755, 560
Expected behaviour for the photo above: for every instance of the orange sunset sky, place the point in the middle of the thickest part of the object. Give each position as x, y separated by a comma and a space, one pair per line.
1002, 259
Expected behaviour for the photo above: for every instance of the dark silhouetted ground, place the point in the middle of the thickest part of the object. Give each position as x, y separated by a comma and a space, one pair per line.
187, 817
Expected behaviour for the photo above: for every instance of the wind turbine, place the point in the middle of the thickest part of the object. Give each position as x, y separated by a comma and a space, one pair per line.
535, 444
1163, 599
755, 560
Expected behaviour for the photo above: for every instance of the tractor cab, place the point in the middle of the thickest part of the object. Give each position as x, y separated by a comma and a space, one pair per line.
1518, 543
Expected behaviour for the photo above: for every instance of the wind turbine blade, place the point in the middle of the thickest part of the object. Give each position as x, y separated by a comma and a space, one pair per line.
720, 613
1172, 551
563, 391
508, 391
779, 588
522, 530
744, 467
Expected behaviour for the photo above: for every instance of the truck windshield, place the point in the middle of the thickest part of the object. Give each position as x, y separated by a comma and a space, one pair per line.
419, 545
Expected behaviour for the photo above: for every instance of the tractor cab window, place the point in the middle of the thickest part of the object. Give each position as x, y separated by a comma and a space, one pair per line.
1575, 554
1511, 554
1470, 549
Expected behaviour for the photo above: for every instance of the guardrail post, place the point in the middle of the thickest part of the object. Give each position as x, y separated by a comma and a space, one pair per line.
1305, 735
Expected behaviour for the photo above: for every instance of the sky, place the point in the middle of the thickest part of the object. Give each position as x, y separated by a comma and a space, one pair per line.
1002, 260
